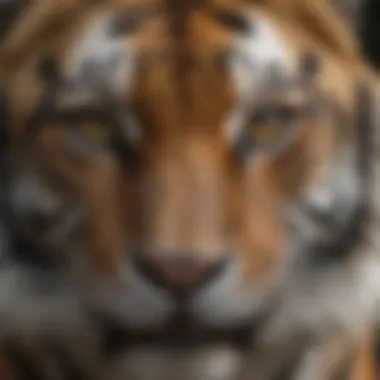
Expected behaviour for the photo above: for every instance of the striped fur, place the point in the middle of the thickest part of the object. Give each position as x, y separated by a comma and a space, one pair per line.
178, 180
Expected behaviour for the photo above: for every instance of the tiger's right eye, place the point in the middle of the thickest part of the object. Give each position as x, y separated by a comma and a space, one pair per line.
96, 134
269, 129
89, 136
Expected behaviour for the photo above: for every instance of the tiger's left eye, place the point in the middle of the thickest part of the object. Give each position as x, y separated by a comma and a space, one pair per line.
90, 136
269, 129
94, 133
267, 125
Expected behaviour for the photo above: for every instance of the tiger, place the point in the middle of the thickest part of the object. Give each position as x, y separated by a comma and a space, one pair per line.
204, 171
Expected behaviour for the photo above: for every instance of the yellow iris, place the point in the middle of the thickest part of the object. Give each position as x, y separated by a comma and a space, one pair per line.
267, 133
95, 133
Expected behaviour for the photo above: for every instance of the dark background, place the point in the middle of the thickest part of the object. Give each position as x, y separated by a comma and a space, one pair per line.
369, 31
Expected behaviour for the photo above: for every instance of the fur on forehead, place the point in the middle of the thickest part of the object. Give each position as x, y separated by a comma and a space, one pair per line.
43, 18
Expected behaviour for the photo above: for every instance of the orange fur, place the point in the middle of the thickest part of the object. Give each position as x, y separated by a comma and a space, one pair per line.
364, 365
187, 193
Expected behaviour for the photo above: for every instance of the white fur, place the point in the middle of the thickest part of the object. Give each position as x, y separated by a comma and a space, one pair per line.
332, 303
35, 304
207, 363
228, 301
256, 54
252, 59
101, 66
328, 296
134, 300
331, 298
100, 63
224, 302
320, 310
337, 195
340, 191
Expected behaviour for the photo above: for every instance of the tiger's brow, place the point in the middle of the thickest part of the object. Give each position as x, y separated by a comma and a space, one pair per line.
132, 18
232, 20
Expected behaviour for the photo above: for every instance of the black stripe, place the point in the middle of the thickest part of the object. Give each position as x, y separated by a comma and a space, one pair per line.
68, 367
234, 21
344, 369
354, 230
288, 371
23, 364
180, 332
376, 349
132, 19
9, 12
365, 137
341, 238
116, 338
24, 250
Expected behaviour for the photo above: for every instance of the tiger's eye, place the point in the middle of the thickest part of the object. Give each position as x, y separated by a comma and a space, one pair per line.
269, 129
266, 134
267, 125
94, 133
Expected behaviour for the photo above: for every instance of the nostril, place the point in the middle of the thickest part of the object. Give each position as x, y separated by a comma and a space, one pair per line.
39, 221
179, 275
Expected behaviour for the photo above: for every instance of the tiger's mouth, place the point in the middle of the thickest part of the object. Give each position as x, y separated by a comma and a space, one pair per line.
180, 331
182, 325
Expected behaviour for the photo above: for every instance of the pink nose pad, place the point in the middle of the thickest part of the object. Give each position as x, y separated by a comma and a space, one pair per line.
178, 274
181, 276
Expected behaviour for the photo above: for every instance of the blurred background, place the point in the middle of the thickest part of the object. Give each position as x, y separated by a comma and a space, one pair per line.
365, 15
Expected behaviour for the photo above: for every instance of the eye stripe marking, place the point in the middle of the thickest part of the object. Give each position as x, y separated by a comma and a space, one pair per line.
131, 20
233, 21
100, 62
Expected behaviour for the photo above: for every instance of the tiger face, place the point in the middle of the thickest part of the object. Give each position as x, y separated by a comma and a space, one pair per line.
176, 142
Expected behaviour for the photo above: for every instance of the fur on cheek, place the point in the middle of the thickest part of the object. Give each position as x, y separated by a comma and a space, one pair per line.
34, 304
319, 301
133, 300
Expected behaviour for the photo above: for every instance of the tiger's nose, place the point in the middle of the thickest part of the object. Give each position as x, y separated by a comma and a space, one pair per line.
39, 222
180, 275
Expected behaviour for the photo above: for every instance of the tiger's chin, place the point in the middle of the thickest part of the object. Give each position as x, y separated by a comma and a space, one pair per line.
204, 335
221, 362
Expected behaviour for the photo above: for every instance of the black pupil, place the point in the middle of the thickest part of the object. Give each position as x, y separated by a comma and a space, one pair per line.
269, 115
